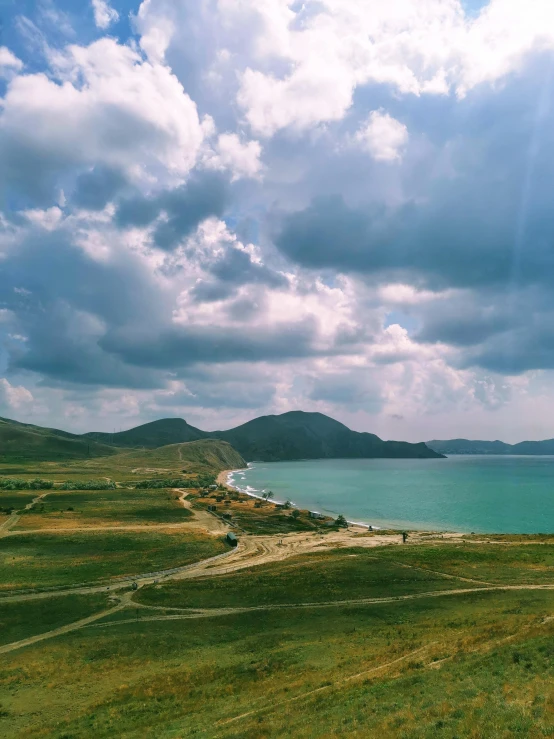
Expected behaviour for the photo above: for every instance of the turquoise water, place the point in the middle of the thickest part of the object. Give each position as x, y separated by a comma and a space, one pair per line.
467, 493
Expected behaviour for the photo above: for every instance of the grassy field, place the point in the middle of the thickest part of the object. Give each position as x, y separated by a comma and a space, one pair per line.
105, 508
312, 578
504, 562
13, 499
48, 560
478, 665
21, 620
464, 663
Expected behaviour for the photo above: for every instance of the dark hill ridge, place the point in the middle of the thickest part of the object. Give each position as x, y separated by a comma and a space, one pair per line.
23, 441
290, 436
467, 446
151, 435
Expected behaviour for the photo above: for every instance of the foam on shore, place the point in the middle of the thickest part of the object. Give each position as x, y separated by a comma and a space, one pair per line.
258, 494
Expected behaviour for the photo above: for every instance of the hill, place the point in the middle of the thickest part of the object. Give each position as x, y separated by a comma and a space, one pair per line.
300, 435
467, 446
204, 455
290, 436
21, 441
155, 434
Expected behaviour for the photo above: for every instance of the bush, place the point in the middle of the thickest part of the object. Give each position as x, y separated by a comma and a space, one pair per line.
8, 483
88, 485
202, 481
162, 483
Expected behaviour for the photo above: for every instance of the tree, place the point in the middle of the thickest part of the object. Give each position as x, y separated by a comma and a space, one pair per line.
295, 514
287, 505
341, 521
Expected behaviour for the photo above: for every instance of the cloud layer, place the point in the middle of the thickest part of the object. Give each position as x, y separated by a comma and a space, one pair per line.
231, 207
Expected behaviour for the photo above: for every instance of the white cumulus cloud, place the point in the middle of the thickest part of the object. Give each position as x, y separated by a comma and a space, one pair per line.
383, 136
104, 14
14, 396
102, 104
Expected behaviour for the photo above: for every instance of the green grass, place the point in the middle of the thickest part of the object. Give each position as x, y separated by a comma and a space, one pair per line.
16, 500
495, 563
28, 618
47, 560
314, 578
179, 678
109, 507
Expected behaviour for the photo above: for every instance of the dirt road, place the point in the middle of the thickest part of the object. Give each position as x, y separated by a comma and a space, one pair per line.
5, 528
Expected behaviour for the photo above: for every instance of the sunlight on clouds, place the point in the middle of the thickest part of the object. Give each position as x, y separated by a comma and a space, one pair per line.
383, 136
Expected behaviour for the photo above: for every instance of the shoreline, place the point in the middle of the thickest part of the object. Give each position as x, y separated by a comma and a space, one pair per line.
223, 479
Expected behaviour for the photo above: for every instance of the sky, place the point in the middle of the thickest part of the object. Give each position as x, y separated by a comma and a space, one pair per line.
218, 209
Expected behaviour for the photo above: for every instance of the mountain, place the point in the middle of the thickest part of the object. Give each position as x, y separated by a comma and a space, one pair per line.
299, 435
294, 435
151, 435
23, 441
210, 455
466, 446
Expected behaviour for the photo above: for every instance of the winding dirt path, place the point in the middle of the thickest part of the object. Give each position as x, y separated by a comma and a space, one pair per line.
5, 528
67, 628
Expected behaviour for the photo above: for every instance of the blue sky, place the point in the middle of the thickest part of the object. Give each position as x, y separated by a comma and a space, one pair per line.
219, 209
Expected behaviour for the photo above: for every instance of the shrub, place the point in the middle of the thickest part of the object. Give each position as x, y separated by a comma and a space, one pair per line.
89, 485
8, 483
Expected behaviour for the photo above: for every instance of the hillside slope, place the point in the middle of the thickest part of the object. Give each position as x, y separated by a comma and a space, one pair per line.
468, 446
300, 435
204, 455
20, 441
293, 435
155, 434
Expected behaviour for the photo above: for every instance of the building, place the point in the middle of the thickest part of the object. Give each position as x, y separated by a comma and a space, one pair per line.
314, 514
231, 539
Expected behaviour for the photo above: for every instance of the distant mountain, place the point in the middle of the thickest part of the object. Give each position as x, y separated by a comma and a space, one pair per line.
466, 446
151, 435
290, 436
23, 441
294, 435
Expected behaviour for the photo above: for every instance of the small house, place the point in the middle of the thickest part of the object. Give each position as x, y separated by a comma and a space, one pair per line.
314, 514
212, 508
227, 516
213, 487
231, 539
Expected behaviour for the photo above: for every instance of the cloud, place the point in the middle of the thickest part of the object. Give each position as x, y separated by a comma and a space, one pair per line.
9, 63
382, 136
104, 14
242, 159
102, 106
14, 397
176, 212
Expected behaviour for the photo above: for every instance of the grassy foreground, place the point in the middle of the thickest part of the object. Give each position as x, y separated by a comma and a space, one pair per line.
473, 665
436, 638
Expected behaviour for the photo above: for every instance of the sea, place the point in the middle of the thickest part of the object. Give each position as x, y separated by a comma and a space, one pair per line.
481, 494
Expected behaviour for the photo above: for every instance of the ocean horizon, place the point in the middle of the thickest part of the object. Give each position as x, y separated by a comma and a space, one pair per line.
475, 493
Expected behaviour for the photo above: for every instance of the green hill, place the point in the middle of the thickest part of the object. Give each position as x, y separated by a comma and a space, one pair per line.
299, 435
21, 441
467, 446
155, 434
207, 454
293, 435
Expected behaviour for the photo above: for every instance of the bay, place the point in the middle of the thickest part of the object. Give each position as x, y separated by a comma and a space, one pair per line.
484, 494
